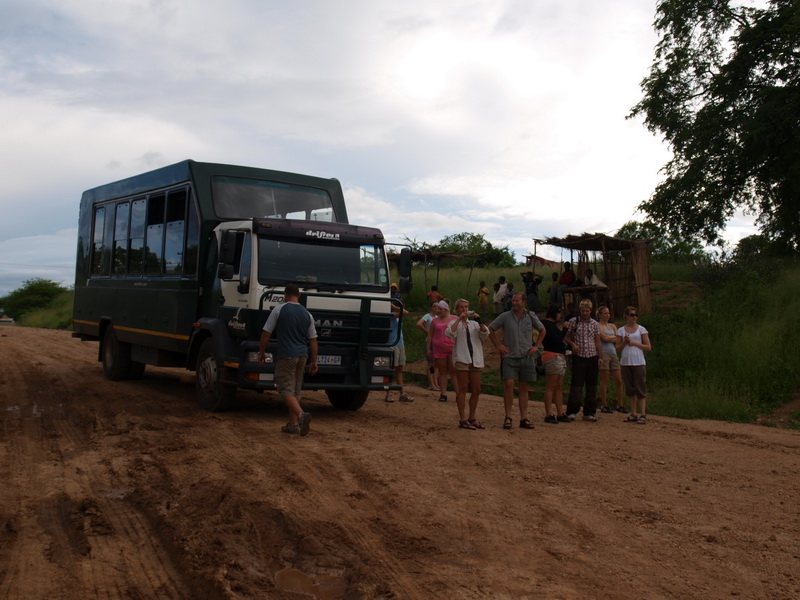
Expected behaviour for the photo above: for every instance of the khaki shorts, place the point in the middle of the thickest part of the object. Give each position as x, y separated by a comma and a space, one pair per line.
522, 369
556, 365
289, 375
610, 362
466, 367
399, 356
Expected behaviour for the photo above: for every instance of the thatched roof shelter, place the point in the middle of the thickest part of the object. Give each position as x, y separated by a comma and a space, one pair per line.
621, 264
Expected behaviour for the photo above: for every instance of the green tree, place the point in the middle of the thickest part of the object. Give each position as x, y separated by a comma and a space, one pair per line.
723, 91
34, 293
477, 251
663, 246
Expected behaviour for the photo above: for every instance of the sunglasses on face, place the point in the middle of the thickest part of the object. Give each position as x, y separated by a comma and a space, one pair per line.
633, 314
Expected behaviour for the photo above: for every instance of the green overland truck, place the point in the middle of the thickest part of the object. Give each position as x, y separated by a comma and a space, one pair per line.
180, 267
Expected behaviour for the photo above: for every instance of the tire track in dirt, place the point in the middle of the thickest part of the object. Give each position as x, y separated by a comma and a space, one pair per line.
71, 542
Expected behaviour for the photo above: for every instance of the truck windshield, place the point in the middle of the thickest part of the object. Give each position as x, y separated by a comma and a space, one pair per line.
354, 267
241, 198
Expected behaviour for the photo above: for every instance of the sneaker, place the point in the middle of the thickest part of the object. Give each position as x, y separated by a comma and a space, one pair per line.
622, 409
571, 416
305, 423
607, 410
389, 397
564, 419
590, 418
551, 419
289, 428
405, 398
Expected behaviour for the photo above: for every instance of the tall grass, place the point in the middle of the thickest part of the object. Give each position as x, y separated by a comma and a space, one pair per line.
732, 355
57, 315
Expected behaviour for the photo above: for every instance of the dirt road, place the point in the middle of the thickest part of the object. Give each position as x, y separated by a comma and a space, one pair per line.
130, 490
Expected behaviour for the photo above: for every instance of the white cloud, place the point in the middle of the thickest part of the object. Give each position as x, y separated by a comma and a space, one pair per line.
503, 117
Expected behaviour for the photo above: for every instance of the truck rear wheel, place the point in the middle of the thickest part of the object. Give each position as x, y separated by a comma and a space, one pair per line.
347, 400
116, 356
212, 394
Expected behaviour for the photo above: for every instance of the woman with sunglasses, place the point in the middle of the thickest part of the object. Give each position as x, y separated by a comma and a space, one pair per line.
633, 340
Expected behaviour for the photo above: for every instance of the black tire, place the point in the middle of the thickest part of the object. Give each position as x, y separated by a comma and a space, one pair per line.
116, 356
347, 400
212, 394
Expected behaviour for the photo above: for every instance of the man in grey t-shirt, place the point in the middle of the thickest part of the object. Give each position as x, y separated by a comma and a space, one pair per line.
295, 331
517, 355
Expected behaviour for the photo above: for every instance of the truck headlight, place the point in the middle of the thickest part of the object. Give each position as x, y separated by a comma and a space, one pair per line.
382, 362
253, 357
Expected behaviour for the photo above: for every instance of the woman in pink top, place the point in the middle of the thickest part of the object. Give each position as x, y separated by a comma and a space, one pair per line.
441, 348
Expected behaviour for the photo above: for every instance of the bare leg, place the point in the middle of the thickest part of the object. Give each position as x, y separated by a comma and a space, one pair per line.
508, 396
523, 400
461, 394
475, 391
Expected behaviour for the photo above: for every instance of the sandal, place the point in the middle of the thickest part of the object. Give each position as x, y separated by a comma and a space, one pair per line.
526, 424
642, 419
606, 410
466, 425
631, 419
442, 398
507, 423
476, 424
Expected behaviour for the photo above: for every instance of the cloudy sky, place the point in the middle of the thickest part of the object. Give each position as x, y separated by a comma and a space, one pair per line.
499, 117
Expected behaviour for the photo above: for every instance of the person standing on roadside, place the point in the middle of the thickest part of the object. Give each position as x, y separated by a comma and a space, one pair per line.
498, 300
610, 366
483, 297
517, 352
441, 348
468, 333
555, 365
295, 333
423, 324
583, 336
399, 349
633, 340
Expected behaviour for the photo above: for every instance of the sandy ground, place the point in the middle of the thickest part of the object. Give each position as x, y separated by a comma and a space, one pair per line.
130, 490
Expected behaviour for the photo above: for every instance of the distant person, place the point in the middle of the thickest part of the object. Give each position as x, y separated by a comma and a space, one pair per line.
583, 336
399, 353
483, 297
468, 334
441, 348
590, 278
509, 295
434, 295
610, 366
423, 323
517, 352
395, 292
554, 361
499, 298
566, 280
295, 333
531, 282
634, 340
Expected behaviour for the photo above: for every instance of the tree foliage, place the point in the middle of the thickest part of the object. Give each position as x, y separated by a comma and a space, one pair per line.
663, 245
477, 251
724, 91
34, 293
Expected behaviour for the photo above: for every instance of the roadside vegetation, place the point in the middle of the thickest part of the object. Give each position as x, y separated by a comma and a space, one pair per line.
722, 332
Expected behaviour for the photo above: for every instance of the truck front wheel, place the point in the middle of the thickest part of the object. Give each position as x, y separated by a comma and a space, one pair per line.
212, 393
347, 400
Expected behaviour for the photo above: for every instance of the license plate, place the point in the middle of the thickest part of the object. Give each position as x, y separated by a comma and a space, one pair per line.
327, 359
